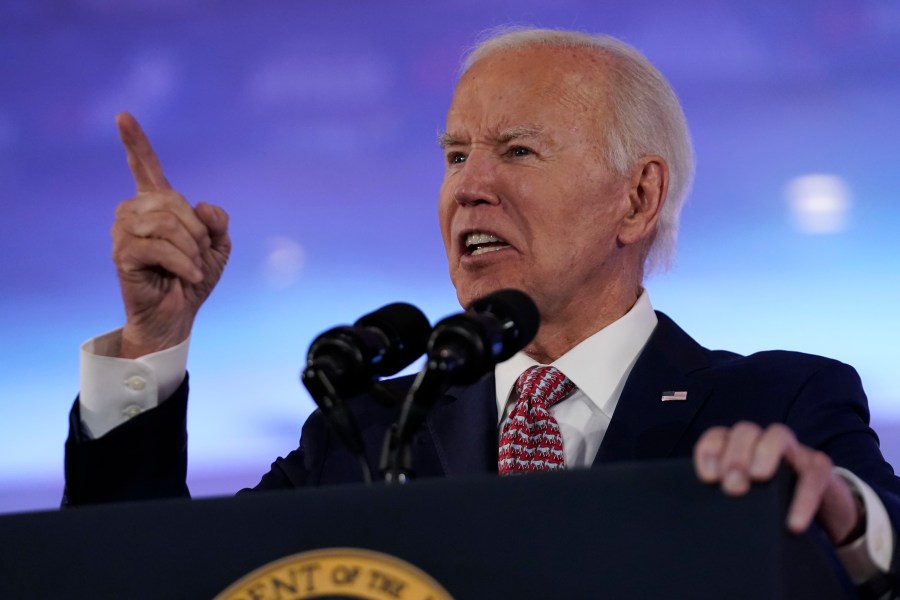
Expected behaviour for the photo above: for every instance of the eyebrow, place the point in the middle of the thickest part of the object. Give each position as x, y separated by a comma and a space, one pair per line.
446, 139
517, 132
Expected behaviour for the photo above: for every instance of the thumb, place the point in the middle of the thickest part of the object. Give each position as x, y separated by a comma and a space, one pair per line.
216, 220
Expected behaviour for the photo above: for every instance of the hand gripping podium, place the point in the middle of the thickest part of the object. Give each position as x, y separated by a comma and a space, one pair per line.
634, 530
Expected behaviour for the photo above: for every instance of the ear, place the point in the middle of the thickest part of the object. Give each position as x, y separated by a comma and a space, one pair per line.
649, 185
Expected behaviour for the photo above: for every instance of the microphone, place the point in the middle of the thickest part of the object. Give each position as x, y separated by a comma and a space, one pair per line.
462, 348
378, 344
467, 345
347, 360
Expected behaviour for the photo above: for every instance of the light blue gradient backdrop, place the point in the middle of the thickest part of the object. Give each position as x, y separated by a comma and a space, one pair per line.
313, 124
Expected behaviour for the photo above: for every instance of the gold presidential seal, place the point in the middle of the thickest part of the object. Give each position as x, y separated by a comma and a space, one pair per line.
336, 573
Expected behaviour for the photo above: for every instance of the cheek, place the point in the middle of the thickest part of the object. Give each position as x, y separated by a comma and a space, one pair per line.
577, 238
445, 214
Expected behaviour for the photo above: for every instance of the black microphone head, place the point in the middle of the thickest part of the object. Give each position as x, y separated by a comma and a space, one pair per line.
407, 331
518, 316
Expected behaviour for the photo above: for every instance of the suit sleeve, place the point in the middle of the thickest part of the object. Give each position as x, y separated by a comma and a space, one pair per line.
146, 458
831, 414
142, 459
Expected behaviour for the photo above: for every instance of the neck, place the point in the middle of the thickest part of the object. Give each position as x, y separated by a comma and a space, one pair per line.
561, 331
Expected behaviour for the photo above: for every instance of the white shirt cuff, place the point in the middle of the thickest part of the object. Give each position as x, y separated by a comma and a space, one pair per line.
871, 554
114, 390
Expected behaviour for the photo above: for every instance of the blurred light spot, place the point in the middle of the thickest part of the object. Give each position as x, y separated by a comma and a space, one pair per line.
819, 203
284, 262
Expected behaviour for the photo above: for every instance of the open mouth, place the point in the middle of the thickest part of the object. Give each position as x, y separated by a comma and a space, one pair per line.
482, 243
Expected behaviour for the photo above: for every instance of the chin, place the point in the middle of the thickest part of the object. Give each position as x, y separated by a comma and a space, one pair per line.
469, 292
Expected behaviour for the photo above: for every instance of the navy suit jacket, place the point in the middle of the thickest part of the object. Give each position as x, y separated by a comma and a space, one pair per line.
821, 400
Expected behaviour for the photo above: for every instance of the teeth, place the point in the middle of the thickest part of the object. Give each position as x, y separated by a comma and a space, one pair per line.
486, 249
481, 238
481, 243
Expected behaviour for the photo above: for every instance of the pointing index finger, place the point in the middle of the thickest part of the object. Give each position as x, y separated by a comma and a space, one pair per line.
142, 160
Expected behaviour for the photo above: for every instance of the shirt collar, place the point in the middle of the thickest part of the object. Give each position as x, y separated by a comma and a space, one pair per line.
598, 366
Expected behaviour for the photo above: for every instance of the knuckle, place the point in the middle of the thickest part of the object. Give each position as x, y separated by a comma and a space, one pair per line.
119, 243
780, 430
166, 222
712, 437
160, 224
718, 430
170, 199
820, 461
746, 428
149, 201
125, 211
733, 460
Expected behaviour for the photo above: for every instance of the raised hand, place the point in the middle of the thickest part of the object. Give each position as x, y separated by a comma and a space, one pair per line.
169, 255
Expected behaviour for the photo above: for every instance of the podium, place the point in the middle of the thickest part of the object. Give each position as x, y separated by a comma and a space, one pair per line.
634, 530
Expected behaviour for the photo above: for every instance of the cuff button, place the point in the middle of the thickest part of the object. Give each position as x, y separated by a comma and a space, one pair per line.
136, 383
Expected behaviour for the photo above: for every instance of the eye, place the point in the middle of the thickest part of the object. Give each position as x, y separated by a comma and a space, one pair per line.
455, 158
519, 151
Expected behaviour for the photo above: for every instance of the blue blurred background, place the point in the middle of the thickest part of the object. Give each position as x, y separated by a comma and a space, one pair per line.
314, 122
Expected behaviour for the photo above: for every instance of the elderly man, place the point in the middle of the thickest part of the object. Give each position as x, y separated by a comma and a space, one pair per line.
567, 161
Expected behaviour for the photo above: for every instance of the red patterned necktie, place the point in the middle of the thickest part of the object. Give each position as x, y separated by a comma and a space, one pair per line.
530, 439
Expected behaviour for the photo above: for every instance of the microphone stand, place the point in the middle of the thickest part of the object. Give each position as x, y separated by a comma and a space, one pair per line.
319, 385
461, 349
432, 381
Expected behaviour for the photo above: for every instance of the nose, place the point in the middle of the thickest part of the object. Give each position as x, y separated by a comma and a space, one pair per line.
476, 181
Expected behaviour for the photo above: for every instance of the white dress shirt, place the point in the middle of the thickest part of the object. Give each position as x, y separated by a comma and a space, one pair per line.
598, 367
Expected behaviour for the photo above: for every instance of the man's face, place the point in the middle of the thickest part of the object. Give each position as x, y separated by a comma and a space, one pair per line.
527, 201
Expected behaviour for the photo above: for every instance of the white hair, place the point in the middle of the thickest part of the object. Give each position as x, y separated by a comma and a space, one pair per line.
646, 118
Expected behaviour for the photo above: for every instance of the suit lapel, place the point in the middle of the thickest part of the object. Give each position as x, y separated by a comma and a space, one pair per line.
643, 425
463, 426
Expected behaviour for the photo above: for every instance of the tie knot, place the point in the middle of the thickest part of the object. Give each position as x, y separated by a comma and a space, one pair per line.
544, 384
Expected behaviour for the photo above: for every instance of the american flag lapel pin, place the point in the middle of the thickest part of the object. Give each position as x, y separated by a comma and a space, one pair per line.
673, 396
